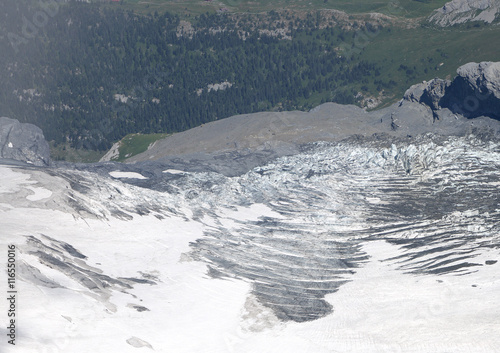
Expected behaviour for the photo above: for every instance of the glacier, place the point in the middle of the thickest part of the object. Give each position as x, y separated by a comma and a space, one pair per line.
370, 244
335, 230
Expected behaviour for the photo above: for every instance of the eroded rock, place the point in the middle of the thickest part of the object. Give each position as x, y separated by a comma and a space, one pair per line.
463, 11
23, 142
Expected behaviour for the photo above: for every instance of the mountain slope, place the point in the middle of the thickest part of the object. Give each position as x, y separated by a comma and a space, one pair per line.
94, 73
379, 242
439, 106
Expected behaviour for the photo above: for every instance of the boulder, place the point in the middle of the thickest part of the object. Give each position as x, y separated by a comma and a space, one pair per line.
483, 77
23, 142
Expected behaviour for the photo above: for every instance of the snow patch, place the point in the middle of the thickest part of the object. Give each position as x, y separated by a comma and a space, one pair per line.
38, 194
129, 175
11, 181
174, 171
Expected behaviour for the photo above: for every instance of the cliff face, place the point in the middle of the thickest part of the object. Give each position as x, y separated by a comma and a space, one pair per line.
474, 92
23, 142
428, 93
462, 11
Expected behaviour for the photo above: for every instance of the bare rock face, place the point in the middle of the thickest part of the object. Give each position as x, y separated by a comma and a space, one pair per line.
483, 77
429, 93
474, 92
462, 11
23, 142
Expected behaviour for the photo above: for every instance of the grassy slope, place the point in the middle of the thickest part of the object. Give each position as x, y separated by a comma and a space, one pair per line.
134, 144
191, 7
405, 8
439, 51
70, 154
130, 145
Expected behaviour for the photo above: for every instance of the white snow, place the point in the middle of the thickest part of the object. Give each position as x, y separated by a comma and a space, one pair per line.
12, 181
250, 213
38, 194
384, 310
381, 309
10, 145
184, 304
174, 171
130, 175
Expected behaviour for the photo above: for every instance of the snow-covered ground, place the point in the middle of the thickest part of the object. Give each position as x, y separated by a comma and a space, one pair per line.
344, 248
130, 175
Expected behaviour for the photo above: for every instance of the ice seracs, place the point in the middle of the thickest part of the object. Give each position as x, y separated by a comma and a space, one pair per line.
365, 245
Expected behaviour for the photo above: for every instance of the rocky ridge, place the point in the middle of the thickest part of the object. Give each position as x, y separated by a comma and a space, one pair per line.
473, 93
462, 11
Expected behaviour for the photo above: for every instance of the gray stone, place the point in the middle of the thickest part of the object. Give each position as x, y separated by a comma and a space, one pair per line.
429, 93
475, 91
23, 142
138, 343
483, 77
463, 11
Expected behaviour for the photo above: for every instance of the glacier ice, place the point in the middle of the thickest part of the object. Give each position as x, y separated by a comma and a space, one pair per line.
295, 248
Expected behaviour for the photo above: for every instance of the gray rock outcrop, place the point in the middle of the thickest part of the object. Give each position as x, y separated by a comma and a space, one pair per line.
483, 77
462, 11
23, 142
474, 92
429, 93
